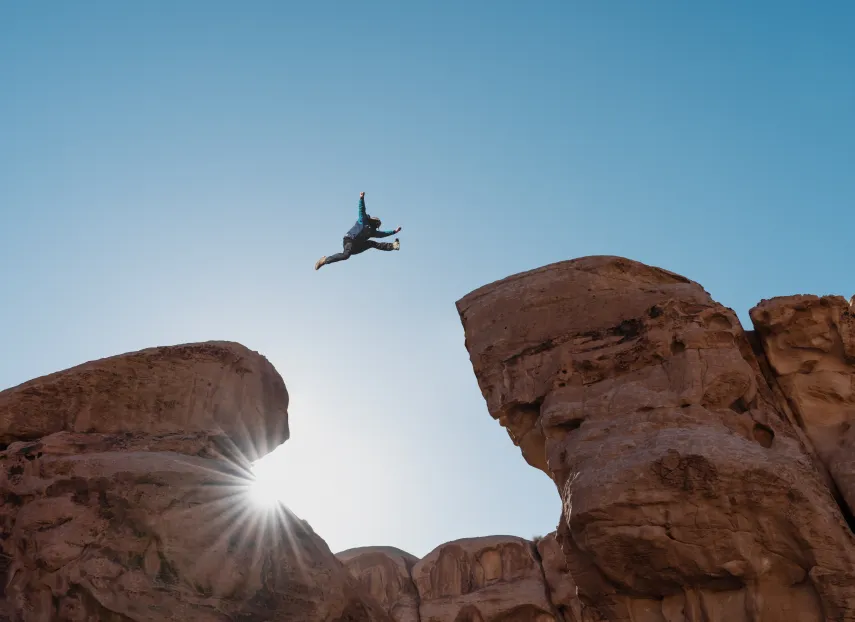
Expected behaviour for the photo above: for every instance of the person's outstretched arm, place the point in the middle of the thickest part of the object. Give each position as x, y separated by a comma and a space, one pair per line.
384, 234
361, 218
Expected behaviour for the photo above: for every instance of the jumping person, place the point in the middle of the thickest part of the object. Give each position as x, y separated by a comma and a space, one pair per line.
358, 239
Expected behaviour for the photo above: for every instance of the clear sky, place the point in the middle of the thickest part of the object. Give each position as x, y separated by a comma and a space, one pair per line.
170, 172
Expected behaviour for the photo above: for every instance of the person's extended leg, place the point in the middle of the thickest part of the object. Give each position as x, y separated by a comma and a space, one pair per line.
385, 246
347, 251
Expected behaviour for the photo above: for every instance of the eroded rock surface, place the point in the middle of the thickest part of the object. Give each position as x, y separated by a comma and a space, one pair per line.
688, 493
145, 520
386, 573
183, 389
488, 579
809, 342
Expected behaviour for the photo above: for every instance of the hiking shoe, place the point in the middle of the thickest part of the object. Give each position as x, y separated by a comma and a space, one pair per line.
396, 244
320, 262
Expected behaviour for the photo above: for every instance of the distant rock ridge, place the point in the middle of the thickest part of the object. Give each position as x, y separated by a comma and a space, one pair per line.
483, 579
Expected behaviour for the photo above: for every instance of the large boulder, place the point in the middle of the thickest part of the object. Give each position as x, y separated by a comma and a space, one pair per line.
118, 502
489, 579
215, 387
386, 574
686, 486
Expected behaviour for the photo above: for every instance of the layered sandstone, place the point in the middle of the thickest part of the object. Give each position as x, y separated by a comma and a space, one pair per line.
689, 491
118, 502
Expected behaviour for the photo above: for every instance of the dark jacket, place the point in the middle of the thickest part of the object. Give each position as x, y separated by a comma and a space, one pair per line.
364, 227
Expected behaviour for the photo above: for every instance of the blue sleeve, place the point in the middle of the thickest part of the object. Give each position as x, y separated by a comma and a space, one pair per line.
361, 210
382, 234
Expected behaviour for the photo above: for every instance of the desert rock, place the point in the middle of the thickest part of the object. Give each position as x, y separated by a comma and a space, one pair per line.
688, 494
386, 574
809, 342
117, 503
200, 387
559, 579
487, 579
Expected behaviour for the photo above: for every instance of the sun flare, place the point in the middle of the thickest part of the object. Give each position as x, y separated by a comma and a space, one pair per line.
265, 490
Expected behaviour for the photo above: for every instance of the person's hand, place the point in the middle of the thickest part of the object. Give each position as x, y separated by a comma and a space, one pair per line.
398, 230
361, 195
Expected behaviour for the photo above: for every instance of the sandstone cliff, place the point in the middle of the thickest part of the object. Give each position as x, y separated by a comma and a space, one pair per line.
122, 498
699, 480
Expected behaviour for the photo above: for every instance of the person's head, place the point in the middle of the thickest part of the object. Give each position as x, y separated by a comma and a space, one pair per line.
374, 222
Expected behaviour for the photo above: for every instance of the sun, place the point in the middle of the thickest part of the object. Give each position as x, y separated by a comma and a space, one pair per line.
266, 489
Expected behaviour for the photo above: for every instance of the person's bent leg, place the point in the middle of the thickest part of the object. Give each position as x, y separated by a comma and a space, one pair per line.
345, 254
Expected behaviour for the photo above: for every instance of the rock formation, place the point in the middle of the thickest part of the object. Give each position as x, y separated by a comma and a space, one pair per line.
690, 489
482, 580
706, 472
809, 343
386, 574
561, 588
122, 498
186, 389
489, 579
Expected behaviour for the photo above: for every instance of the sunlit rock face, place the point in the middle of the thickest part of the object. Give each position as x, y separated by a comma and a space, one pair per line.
690, 491
809, 342
125, 497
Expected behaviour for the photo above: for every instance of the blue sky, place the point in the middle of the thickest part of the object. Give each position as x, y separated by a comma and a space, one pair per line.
170, 172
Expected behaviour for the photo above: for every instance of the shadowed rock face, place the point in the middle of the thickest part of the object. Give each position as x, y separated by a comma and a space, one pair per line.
482, 579
385, 573
487, 579
112, 511
561, 588
689, 491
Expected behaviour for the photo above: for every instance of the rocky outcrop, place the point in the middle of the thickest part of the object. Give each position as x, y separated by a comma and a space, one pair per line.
213, 387
119, 501
488, 579
809, 343
386, 574
689, 490
482, 580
